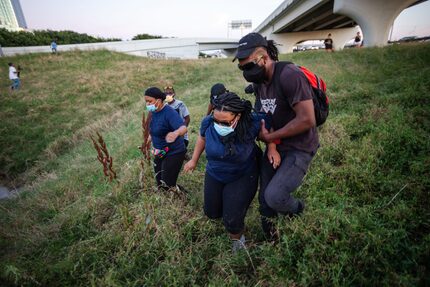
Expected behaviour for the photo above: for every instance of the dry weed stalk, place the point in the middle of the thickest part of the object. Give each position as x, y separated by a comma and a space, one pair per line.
104, 157
146, 145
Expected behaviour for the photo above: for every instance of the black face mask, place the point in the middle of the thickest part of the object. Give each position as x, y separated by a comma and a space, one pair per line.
256, 74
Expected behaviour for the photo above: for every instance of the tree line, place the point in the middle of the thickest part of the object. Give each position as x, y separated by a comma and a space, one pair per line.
45, 37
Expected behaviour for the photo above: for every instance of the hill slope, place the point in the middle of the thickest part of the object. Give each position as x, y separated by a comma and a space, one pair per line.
367, 220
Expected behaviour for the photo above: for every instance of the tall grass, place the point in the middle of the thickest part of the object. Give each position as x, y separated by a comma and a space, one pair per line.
367, 220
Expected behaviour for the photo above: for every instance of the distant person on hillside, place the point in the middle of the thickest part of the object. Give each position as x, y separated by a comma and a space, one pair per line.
228, 136
179, 107
54, 47
328, 43
167, 130
13, 76
357, 40
216, 90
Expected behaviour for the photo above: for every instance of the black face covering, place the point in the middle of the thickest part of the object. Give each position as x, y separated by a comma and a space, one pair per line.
255, 75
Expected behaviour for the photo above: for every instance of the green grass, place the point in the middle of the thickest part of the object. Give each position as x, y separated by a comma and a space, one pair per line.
367, 220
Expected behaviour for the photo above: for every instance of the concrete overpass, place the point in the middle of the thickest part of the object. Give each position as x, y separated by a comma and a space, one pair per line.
180, 48
295, 21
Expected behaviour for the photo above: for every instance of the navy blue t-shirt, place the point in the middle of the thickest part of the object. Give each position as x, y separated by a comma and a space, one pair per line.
228, 168
163, 122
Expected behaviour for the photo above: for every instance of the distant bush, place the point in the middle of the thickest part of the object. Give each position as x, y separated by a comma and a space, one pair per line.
45, 37
146, 37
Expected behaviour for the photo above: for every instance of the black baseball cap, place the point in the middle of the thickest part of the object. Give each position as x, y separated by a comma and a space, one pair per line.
247, 45
218, 89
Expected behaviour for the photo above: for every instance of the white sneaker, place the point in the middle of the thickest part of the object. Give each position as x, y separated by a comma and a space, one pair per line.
238, 244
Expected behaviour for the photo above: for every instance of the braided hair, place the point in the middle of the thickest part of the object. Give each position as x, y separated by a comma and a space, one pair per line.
230, 102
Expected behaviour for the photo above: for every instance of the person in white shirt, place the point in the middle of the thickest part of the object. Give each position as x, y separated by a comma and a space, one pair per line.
179, 107
13, 76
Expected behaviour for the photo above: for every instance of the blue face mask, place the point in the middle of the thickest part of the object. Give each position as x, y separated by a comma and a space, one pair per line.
151, 108
223, 130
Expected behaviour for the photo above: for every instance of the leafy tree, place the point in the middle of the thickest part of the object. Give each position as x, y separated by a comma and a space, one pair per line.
45, 37
145, 37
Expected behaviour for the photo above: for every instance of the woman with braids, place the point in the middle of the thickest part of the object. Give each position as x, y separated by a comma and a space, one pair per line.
228, 136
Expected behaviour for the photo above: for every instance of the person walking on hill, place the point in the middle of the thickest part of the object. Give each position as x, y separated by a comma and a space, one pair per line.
166, 129
231, 180
216, 90
286, 95
13, 76
328, 42
179, 107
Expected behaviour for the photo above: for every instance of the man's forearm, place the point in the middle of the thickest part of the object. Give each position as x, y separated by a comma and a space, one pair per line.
294, 127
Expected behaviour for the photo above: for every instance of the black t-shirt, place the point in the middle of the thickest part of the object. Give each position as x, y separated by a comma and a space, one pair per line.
295, 88
328, 42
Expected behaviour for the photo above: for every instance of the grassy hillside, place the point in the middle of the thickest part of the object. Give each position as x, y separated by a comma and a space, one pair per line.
367, 220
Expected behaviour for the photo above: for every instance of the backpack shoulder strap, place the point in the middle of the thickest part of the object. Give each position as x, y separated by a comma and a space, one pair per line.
279, 67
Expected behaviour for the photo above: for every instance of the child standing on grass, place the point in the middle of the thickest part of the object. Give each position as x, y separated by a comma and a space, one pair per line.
167, 129
13, 76
54, 47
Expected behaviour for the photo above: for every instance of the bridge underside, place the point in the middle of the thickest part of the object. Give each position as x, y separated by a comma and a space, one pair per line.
320, 17
296, 21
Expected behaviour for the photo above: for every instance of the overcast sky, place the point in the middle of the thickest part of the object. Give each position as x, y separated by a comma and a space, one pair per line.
185, 18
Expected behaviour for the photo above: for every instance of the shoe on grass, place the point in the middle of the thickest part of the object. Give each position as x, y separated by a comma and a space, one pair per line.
238, 244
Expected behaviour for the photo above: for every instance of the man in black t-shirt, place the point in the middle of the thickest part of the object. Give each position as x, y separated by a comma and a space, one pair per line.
328, 43
357, 40
285, 93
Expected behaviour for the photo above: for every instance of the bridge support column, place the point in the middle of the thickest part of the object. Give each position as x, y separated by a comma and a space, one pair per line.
289, 40
375, 17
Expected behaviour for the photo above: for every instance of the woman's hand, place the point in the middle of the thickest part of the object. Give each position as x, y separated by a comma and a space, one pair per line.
172, 136
274, 156
190, 166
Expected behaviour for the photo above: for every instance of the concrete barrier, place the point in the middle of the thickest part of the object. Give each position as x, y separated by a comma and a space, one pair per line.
182, 48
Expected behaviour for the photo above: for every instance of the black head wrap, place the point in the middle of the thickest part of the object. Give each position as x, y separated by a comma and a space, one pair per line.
155, 93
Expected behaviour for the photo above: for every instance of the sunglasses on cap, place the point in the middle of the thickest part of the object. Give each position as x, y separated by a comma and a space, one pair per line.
249, 65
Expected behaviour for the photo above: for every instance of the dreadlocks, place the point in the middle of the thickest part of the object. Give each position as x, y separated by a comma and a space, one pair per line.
272, 50
230, 102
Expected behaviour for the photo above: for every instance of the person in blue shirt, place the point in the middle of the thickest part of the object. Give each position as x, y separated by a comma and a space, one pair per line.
228, 137
167, 131
54, 46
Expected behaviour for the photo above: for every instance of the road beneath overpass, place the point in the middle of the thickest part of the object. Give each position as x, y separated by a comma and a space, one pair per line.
295, 21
